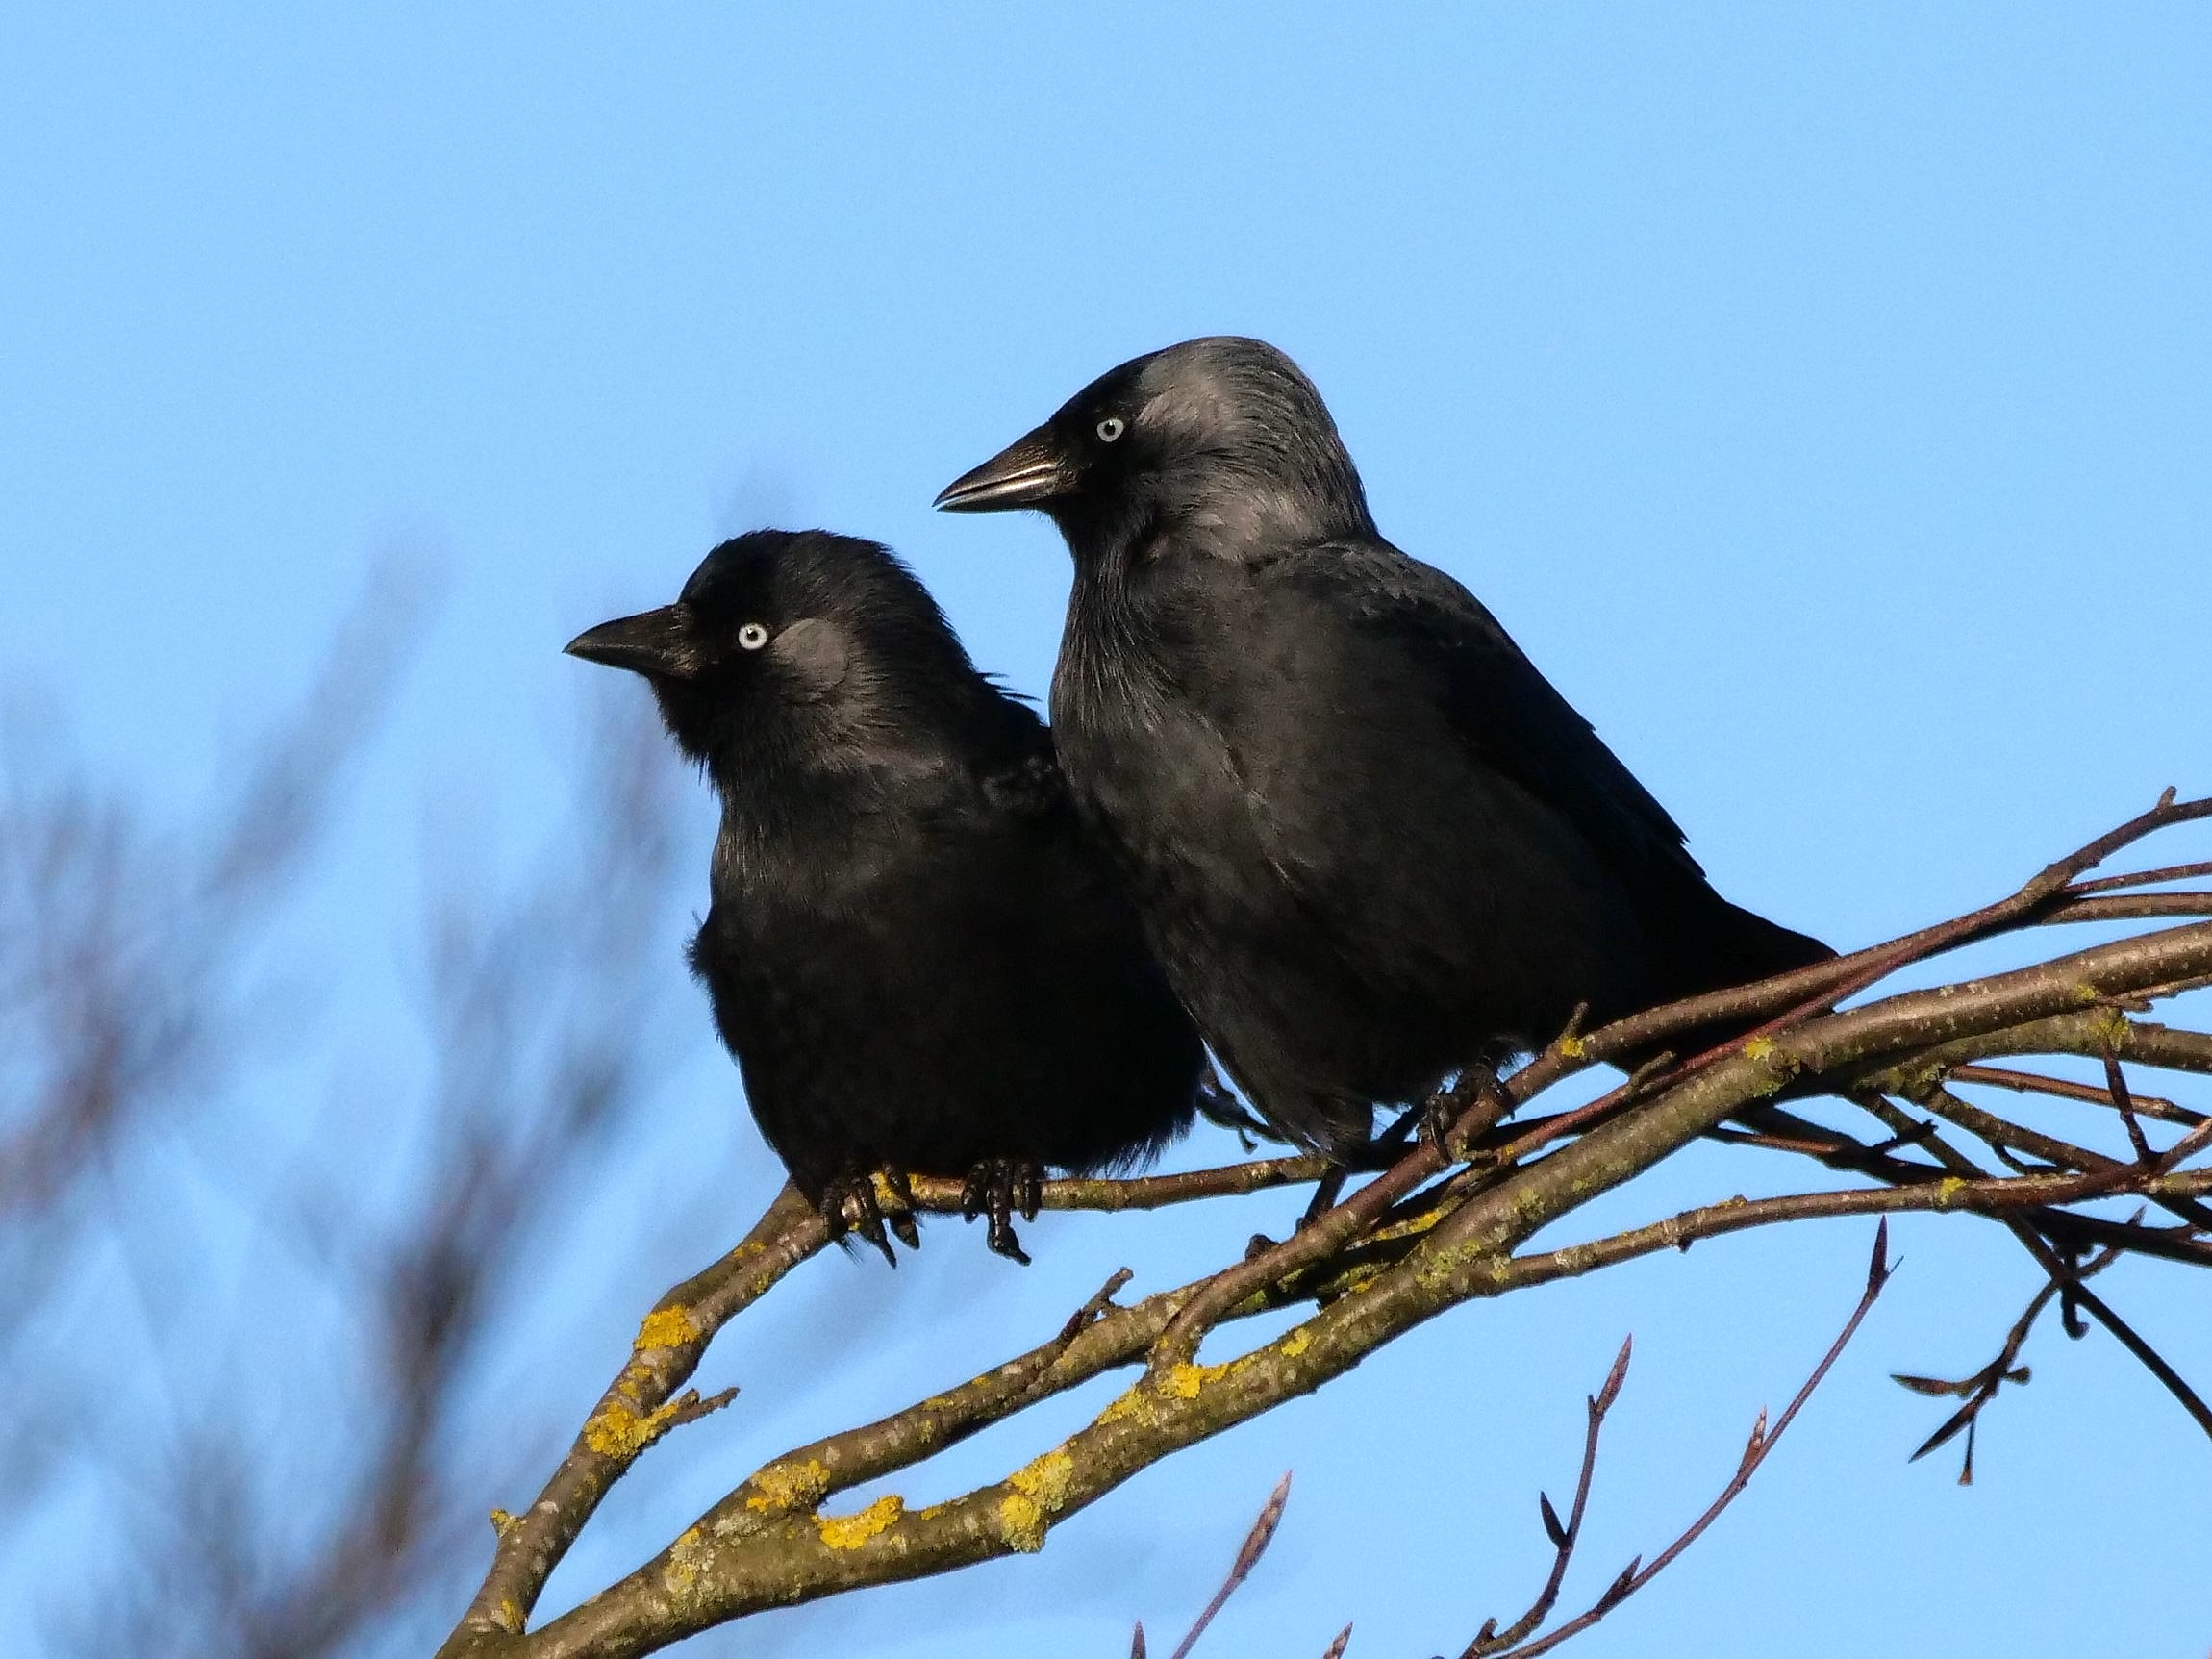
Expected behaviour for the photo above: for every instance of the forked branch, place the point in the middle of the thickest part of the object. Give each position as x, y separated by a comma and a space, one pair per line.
1639, 1572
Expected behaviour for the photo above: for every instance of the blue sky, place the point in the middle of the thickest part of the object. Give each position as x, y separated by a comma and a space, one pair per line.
1823, 401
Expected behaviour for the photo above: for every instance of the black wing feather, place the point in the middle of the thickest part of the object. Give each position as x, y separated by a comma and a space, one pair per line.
1503, 708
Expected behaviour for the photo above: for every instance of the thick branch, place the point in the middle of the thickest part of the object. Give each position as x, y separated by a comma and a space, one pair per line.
633, 1411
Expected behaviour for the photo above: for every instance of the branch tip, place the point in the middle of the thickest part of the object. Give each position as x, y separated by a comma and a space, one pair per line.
1610, 1390
1255, 1546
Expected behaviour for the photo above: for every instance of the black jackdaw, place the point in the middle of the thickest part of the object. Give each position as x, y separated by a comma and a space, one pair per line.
1371, 844
916, 958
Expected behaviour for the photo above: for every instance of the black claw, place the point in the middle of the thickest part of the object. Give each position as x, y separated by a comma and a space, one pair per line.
872, 1231
866, 1220
901, 1220
995, 1188
975, 1193
849, 1205
1002, 1239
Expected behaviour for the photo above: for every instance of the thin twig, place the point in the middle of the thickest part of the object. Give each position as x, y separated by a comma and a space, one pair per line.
2000, 1133
1981, 1387
2116, 1085
2153, 1362
2143, 878
1490, 1639
2066, 1089
1762, 1442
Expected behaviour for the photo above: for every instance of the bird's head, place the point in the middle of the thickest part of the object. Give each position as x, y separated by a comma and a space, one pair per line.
1221, 432
792, 644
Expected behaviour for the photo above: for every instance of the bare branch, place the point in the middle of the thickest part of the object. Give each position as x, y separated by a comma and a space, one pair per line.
1762, 1442
1981, 1387
1490, 1639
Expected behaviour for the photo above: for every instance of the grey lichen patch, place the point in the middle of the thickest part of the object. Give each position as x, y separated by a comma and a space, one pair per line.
690, 1558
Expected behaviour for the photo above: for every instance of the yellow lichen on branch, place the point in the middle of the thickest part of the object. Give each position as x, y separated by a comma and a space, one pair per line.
1045, 1479
1184, 1381
851, 1532
666, 1328
616, 1430
784, 1486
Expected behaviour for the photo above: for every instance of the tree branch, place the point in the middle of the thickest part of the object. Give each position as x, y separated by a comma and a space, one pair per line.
1399, 1250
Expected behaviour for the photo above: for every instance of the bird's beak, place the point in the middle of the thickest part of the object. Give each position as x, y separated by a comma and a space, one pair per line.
1028, 472
664, 642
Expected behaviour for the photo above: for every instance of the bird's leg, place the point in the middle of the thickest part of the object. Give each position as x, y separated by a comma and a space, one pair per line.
1326, 1191
994, 1187
1438, 1114
849, 1205
901, 1219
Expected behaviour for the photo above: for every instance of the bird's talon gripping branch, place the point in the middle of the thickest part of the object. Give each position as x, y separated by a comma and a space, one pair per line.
1438, 1114
849, 1205
901, 1215
995, 1188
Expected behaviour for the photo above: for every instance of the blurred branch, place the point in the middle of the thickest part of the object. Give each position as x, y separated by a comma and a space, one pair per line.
129, 995
540, 1014
133, 1006
122, 956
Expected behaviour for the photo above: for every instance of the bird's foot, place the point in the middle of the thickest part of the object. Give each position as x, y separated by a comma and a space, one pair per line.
849, 1205
900, 1216
1438, 1114
1477, 1094
995, 1188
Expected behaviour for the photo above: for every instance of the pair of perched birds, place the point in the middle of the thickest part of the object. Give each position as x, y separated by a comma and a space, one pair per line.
1297, 784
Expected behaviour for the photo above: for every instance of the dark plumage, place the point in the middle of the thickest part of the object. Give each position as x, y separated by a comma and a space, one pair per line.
1371, 843
917, 959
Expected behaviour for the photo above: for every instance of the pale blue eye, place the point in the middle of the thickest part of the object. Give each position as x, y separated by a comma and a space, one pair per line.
753, 636
1111, 428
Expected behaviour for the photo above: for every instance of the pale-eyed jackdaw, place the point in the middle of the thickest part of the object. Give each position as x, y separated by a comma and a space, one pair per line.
917, 959
1371, 844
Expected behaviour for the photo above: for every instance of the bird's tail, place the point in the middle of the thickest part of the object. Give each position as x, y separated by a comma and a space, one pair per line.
1747, 947
1721, 944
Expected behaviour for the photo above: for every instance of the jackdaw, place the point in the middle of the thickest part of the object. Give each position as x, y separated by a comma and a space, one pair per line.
917, 959
1371, 844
